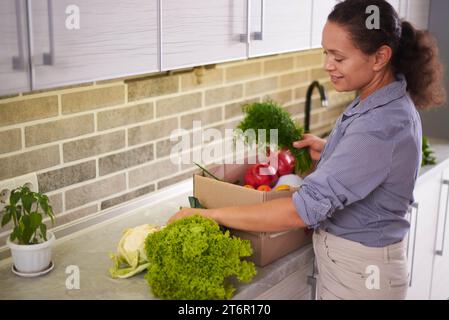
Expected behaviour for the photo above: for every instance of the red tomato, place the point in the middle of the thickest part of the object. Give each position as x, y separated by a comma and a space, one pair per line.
255, 177
264, 187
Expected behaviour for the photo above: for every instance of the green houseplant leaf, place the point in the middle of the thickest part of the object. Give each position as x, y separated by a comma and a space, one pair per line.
27, 200
6, 218
26, 210
428, 157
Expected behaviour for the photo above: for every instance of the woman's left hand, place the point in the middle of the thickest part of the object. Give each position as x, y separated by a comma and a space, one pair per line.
187, 212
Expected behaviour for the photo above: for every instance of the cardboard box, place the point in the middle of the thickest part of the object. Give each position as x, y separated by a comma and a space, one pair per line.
267, 247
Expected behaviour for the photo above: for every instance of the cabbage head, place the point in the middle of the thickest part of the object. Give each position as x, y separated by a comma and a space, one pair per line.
131, 257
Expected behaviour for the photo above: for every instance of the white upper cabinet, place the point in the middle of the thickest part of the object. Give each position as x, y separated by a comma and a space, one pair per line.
85, 40
52, 43
397, 6
414, 11
278, 26
321, 9
202, 32
418, 13
14, 61
403, 5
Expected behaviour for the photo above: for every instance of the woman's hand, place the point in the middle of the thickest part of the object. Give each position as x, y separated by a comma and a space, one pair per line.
314, 143
187, 212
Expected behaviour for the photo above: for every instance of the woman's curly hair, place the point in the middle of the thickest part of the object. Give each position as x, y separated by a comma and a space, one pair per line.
415, 52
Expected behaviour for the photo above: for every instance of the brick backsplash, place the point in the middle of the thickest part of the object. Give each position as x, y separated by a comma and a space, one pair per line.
97, 145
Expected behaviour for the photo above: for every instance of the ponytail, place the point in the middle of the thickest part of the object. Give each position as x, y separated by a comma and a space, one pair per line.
417, 58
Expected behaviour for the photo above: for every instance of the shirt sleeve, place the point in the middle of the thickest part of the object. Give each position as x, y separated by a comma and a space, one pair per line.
360, 162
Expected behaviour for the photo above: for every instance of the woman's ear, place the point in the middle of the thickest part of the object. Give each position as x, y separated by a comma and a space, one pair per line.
382, 57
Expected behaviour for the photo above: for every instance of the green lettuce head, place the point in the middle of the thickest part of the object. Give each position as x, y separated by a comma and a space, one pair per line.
192, 258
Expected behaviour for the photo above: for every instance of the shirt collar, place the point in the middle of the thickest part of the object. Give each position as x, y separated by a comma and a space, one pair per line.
381, 97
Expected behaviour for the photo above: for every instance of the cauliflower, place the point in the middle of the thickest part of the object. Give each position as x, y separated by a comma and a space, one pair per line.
131, 257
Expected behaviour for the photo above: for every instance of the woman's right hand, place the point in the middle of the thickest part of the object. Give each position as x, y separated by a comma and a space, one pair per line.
314, 143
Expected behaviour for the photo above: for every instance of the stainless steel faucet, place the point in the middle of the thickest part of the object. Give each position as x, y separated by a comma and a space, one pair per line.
323, 98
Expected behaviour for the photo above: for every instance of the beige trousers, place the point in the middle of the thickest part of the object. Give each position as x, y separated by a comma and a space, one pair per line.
351, 271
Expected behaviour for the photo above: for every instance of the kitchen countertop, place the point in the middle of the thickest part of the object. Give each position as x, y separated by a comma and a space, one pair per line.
88, 249
440, 148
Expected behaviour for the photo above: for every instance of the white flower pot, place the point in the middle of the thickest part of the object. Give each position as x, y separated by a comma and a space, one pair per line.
32, 258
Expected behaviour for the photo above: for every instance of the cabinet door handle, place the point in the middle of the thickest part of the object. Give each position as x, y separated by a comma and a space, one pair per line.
49, 57
159, 37
245, 36
312, 281
259, 35
412, 255
18, 62
440, 252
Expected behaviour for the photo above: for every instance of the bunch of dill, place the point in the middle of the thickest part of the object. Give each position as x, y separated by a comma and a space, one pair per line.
270, 115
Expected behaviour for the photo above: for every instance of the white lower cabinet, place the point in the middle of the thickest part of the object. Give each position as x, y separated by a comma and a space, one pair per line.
440, 281
428, 239
422, 217
294, 287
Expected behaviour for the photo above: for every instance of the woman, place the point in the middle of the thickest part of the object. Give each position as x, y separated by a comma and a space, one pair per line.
357, 198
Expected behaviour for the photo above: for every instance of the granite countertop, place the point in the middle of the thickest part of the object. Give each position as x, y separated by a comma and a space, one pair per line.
88, 249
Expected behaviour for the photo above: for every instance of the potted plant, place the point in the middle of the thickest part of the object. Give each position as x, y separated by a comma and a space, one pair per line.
428, 156
29, 241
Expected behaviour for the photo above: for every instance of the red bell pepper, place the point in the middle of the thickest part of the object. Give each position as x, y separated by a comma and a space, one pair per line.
286, 162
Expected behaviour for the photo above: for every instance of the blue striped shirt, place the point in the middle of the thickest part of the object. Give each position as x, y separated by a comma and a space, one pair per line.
364, 180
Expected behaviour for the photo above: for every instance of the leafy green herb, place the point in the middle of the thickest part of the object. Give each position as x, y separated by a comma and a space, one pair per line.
269, 115
26, 209
428, 157
193, 259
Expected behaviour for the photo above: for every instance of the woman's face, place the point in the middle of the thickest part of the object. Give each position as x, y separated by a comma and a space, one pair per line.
349, 68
